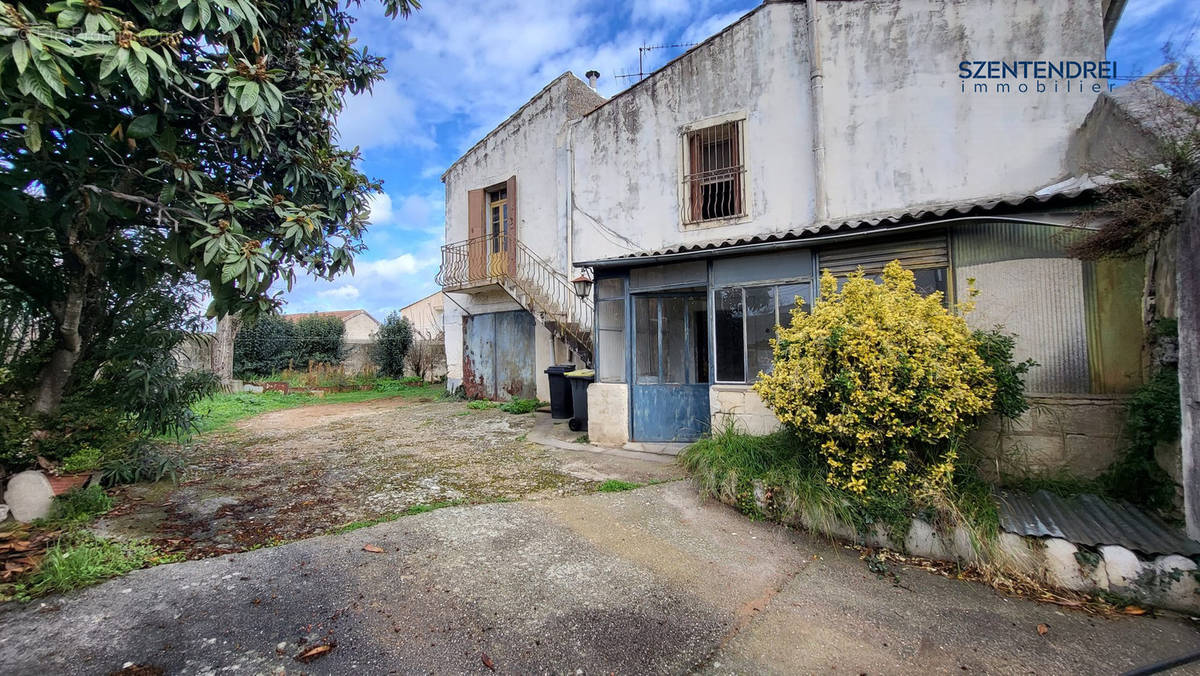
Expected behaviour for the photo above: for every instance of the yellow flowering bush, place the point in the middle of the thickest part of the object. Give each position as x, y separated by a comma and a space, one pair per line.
882, 379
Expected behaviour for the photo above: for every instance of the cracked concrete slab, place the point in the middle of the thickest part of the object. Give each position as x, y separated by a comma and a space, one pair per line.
653, 580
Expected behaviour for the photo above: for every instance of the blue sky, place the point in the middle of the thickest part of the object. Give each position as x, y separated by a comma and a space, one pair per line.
459, 67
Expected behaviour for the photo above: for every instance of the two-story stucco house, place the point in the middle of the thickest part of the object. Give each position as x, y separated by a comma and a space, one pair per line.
706, 198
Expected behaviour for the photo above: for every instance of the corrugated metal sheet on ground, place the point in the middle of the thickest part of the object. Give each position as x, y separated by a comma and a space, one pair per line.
1091, 520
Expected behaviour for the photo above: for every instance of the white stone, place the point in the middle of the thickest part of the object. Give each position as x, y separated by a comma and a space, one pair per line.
3, 512
1177, 594
964, 547
255, 389
1121, 566
923, 540
878, 537
1016, 553
1062, 568
29, 496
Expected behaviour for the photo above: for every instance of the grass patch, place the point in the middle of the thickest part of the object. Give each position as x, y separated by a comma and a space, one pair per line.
793, 479
582, 439
420, 508
481, 405
519, 406
617, 486
221, 411
79, 505
80, 559
430, 506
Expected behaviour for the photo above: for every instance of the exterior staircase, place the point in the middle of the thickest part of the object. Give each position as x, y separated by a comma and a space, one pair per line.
545, 292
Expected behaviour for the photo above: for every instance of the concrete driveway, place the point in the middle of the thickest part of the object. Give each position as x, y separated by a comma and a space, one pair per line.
649, 581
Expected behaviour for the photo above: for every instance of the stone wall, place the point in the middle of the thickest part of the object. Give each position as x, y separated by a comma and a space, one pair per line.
358, 355
195, 353
1080, 435
743, 406
608, 414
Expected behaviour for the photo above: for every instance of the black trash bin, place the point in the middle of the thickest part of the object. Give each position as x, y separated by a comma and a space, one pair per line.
579, 383
560, 391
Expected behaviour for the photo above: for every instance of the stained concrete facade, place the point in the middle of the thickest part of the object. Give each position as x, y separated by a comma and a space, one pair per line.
849, 112
531, 146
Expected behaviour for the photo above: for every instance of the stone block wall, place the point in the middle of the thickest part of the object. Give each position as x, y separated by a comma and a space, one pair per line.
358, 355
743, 406
608, 414
1080, 435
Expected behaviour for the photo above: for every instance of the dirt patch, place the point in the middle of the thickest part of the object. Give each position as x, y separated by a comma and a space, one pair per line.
301, 472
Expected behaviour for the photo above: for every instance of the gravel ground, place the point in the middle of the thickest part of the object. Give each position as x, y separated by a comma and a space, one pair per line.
301, 472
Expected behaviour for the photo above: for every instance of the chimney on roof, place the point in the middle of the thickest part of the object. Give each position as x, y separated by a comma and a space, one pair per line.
592, 76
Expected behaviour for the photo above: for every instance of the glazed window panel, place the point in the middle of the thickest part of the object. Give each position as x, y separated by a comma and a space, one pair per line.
760, 329
645, 320
730, 335
610, 339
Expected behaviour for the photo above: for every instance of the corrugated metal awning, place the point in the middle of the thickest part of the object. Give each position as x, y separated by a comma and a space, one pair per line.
897, 221
1093, 521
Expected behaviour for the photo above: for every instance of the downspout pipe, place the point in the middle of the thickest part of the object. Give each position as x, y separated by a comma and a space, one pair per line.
816, 85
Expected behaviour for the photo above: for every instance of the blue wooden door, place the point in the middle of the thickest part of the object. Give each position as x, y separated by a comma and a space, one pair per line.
669, 398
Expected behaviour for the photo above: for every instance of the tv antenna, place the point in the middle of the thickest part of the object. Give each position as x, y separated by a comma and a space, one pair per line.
642, 58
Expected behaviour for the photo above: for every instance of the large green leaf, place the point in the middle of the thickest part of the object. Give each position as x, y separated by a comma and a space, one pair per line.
138, 75
249, 96
142, 126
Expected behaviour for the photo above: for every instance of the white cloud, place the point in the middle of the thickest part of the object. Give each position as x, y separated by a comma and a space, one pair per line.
348, 292
380, 205
699, 32
381, 119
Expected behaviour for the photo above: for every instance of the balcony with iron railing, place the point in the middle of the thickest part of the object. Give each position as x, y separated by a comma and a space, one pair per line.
545, 292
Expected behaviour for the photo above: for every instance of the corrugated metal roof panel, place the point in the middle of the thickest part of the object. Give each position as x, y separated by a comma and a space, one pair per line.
1093, 521
884, 221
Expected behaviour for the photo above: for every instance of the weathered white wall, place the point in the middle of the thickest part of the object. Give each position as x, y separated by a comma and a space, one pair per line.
627, 153
530, 146
899, 132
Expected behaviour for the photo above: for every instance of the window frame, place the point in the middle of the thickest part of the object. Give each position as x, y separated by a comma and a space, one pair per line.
742, 172
624, 298
741, 287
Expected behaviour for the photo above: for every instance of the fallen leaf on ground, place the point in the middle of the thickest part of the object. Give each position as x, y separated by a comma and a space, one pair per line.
374, 549
487, 662
139, 670
1043, 629
1134, 610
315, 652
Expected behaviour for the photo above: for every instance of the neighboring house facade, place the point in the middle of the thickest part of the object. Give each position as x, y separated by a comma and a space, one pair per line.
360, 326
806, 136
426, 315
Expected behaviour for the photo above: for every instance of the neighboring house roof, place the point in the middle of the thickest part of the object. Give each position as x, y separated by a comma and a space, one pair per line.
344, 315
415, 303
1148, 106
1050, 197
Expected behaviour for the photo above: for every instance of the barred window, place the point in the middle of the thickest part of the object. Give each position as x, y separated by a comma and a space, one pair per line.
714, 177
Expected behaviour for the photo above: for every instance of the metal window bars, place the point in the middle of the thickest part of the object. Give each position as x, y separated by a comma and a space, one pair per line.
714, 173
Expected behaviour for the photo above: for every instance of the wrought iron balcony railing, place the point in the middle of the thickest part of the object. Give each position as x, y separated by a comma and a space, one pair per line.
534, 283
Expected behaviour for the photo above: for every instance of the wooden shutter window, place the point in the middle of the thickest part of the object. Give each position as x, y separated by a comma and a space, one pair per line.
476, 241
510, 229
695, 193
